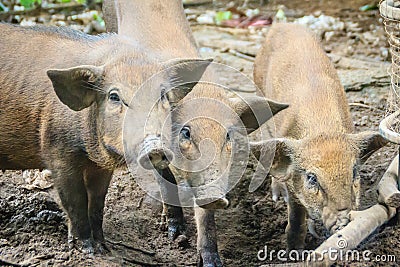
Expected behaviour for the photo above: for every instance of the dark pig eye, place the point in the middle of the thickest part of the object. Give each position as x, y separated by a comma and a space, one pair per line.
312, 179
228, 136
185, 133
113, 96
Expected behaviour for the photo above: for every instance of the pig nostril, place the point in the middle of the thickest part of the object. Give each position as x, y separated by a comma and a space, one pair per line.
151, 158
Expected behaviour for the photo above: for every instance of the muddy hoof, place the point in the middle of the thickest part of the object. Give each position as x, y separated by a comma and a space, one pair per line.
84, 246
175, 228
209, 259
87, 247
101, 248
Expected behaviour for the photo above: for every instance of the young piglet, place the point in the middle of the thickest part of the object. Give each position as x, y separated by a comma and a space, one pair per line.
319, 153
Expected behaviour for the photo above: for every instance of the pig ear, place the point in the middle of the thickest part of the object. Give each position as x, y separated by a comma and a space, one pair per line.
256, 110
183, 75
76, 87
368, 142
275, 155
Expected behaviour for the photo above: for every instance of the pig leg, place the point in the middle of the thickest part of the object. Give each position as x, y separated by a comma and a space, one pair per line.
173, 215
296, 229
207, 238
97, 181
72, 192
278, 189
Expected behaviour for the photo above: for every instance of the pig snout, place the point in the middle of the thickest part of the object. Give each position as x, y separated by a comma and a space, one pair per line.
153, 154
211, 198
335, 221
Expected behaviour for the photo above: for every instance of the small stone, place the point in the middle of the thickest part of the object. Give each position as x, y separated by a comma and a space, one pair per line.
4, 242
364, 120
349, 51
63, 256
328, 35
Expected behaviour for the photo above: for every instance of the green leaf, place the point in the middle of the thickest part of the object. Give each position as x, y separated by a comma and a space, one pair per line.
27, 3
222, 15
3, 7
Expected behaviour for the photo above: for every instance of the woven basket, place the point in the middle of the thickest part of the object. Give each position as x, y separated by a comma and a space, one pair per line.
390, 13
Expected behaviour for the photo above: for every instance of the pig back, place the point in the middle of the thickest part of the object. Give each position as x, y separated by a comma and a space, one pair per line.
30, 112
292, 67
159, 25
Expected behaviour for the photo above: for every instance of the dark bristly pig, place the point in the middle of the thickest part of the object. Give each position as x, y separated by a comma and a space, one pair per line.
64, 100
319, 154
205, 123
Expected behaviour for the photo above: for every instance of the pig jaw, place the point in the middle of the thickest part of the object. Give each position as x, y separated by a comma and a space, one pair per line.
335, 220
333, 213
324, 206
336, 216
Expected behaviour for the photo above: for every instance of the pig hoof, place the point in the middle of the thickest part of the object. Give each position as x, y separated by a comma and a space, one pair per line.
84, 246
209, 259
175, 229
71, 242
87, 247
102, 248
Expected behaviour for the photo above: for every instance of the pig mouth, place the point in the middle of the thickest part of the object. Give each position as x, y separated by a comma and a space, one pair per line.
338, 225
153, 154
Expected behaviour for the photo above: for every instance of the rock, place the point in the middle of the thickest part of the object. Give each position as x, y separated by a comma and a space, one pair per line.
207, 18
35, 179
364, 120
4, 242
328, 35
321, 24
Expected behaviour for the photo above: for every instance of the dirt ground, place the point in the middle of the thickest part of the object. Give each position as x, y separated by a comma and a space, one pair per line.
33, 229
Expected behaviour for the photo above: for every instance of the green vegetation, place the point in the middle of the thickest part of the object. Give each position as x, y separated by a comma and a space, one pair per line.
31, 3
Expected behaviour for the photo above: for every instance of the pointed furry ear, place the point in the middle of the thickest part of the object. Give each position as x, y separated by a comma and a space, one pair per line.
75, 86
368, 142
183, 75
255, 110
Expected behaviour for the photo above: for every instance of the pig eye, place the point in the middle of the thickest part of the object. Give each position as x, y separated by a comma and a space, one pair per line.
185, 133
312, 179
228, 136
113, 96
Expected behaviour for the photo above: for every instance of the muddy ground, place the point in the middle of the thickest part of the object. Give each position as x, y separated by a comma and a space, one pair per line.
33, 230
